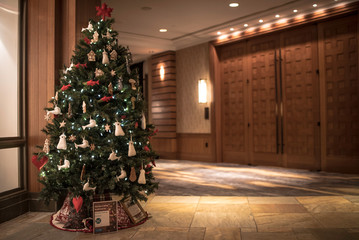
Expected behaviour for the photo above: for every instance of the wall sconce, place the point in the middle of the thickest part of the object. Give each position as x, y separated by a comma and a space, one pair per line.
162, 72
202, 91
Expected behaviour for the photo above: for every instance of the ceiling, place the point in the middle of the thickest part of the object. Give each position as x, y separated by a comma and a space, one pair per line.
191, 22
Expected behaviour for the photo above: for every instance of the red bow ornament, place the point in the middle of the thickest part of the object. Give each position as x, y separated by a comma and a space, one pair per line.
103, 11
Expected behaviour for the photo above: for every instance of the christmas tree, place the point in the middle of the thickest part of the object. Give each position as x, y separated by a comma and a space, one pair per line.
97, 136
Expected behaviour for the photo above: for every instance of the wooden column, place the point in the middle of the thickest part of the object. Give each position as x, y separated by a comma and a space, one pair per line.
53, 27
163, 104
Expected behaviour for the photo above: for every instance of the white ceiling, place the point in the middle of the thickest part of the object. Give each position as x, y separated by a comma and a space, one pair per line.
190, 22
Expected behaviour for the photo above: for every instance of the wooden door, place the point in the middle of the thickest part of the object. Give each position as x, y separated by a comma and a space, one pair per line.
299, 105
263, 101
339, 88
234, 104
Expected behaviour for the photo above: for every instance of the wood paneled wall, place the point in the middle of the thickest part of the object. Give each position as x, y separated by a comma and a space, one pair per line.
163, 104
52, 29
195, 146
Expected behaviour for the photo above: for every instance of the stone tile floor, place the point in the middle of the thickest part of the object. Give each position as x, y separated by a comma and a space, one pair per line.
219, 217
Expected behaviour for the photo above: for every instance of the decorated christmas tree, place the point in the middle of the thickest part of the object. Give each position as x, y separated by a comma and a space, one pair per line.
97, 136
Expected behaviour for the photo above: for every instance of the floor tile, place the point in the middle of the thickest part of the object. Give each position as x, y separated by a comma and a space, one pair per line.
170, 207
175, 199
267, 236
170, 219
272, 200
233, 208
222, 220
284, 222
328, 204
277, 208
353, 199
196, 233
223, 200
338, 220
163, 235
213, 233
323, 233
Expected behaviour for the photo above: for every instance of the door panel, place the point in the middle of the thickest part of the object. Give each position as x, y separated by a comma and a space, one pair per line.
234, 107
300, 99
263, 99
338, 53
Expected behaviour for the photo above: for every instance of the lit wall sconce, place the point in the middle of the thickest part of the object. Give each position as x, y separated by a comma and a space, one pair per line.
162, 72
202, 91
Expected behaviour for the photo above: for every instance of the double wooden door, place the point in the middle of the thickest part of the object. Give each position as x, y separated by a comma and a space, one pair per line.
270, 100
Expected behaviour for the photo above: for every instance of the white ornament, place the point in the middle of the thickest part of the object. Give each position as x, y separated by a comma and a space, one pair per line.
90, 125
87, 187
118, 129
122, 176
89, 28
83, 107
113, 73
113, 156
131, 149
66, 165
62, 143
133, 83
142, 177
46, 147
91, 56
56, 96
56, 111
120, 85
113, 55
84, 144
105, 58
108, 35
69, 68
143, 122
95, 37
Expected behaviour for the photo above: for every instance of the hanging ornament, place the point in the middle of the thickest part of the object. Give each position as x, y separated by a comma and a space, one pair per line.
69, 68
62, 124
105, 57
122, 176
136, 124
128, 66
62, 143
133, 176
113, 73
66, 165
87, 186
107, 35
113, 55
143, 121
114, 43
95, 37
107, 128
131, 148
89, 28
39, 163
106, 99
110, 89
92, 147
90, 125
142, 176
46, 148
132, 82
118, 129
72, 138
69, 111
83, 107
87, 41
98, 72
77, 202
56, 111
108, 47
56, 96
84, 144
146, 148
47, 117
93, 83
113, 156
133, 99
91, 56
82, 172
120, 85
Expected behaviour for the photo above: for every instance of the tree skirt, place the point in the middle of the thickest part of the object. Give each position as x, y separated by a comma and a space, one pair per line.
87, 223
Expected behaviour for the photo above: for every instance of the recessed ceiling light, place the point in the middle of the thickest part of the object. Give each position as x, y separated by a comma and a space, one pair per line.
315, 5
245, 25
219, 33
234, 4
277, 16
295, 10
163, 30
231, 29
260, 20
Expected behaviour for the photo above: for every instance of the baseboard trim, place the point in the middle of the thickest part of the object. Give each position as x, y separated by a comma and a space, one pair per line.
14, 205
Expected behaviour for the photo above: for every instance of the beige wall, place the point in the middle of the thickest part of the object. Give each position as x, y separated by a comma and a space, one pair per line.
192, 64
